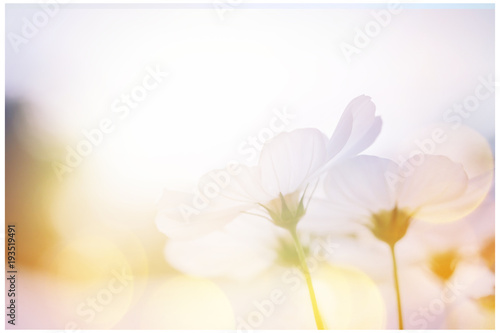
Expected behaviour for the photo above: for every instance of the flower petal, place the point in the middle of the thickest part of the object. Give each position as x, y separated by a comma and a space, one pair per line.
289, 160
241, 250
477, 189
357, 129
437, 180
359, 145
184, 215
341, 134
362, 183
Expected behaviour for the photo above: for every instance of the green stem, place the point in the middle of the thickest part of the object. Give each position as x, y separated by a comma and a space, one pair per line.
307, 274
396, 286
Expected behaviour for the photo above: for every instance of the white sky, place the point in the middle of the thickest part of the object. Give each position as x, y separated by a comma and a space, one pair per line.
226, 76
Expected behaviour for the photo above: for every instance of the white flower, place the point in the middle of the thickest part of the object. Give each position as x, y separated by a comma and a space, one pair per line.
276, 187
386, 197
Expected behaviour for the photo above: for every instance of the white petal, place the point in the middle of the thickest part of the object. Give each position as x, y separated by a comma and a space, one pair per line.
243, 249
437, 180
184, 215
357, 146
468, 201
462, 145
324, 216
290, 159
341, 134
363, 184
357, 129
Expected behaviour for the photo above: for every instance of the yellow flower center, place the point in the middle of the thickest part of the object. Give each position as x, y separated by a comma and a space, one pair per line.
443, 264
390, 225
487, 302
488, 254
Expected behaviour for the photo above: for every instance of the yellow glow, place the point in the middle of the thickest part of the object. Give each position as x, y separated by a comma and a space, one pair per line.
349, 299
87, 259
94, 280
185, 302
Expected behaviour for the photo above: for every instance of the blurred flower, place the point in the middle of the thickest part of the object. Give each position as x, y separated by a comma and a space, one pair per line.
243, 249
488, 254
473, 313
247, 248
443, 264
487, 302
471, 279
251, 249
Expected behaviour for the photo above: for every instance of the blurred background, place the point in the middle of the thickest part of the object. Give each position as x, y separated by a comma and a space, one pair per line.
168, 94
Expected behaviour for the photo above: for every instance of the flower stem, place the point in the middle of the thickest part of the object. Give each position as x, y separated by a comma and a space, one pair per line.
396, 286
307, 274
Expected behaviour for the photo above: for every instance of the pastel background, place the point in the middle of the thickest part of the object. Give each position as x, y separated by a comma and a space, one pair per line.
90, 234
